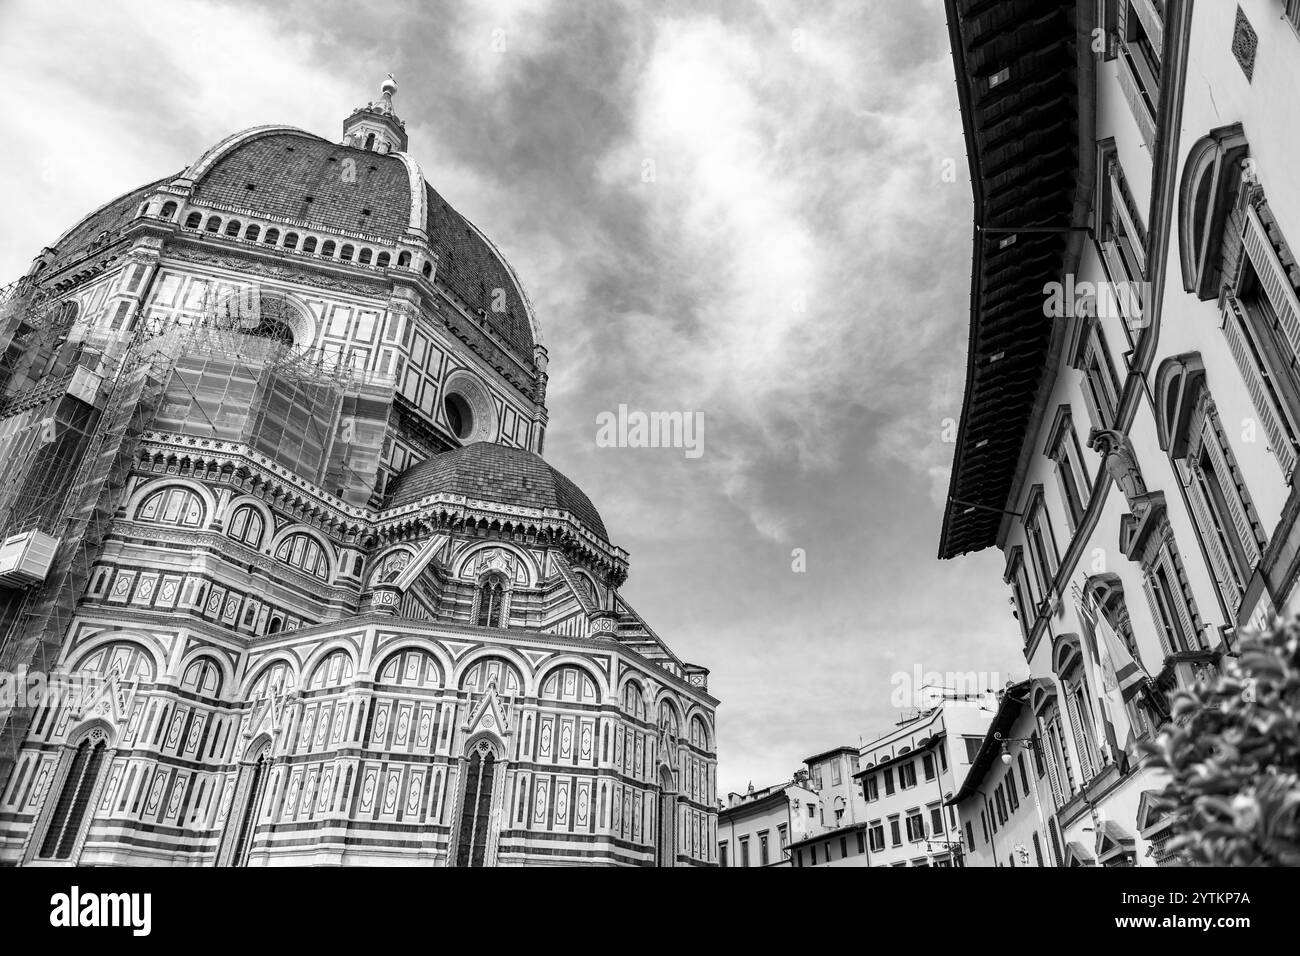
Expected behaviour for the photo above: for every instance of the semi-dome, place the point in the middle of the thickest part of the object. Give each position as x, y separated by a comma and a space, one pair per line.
486, 471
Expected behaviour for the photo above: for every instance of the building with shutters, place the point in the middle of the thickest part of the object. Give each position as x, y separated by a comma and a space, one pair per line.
757, 828
1131, 418
277, 532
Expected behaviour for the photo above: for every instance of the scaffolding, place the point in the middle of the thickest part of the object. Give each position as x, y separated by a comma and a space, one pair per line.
80, 401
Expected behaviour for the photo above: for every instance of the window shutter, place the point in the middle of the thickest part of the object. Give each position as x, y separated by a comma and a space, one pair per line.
1128, 85
1179, 597
1228, 478
1151, 22
1270, 416
1272, 277
1080, 738
1223, 569
1120, 206
1162, 628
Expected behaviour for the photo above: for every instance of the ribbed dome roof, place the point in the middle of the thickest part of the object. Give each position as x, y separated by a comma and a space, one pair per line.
368, 192
295, 175
489, 472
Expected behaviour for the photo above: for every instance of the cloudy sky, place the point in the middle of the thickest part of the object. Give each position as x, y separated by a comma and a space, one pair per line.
759, 212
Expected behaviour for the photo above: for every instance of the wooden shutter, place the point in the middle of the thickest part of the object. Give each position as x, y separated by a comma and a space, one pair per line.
1157, 615
1271, 417
1080, 738
1228, 479
1151, 22
1272, 277
1053, 776
1173, 568
1120, 205
1224, 571
1128, 85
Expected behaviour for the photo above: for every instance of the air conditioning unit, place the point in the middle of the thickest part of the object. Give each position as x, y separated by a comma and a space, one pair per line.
25, 559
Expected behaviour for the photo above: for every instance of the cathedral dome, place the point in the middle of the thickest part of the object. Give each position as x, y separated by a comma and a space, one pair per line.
288, 174
490, 472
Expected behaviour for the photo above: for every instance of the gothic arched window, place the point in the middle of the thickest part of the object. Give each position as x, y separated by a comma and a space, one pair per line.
492, 596
476, 806
70, 809
245, 821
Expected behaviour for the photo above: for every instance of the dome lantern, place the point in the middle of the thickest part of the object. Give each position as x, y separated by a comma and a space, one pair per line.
376, 126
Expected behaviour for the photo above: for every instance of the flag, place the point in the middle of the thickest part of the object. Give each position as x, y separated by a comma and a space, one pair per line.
1120, 677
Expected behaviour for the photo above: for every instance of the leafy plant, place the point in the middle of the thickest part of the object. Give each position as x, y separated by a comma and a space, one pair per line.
1232, 751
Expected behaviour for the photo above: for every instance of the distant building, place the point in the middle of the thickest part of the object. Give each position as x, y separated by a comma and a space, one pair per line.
907, 776
756, 828
830, 774
1004, 804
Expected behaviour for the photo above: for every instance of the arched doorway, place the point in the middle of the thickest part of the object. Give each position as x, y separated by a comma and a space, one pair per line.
476, 827
666, 839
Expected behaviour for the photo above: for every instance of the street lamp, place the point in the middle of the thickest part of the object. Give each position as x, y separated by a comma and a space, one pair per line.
1006, 762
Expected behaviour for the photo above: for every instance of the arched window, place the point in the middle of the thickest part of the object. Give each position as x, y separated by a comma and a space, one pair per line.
634, 700
365, 257
571, 684
291, 240
699, 734
252, 232
411, 668
272, 237
491, 600
254, 793
1191, 431
71, 807
232, 227
334, 671
276, 625
668, 723
302, 551
489, 670
383, 260
404, 259
309, 244
168, 210
275, 678
214, 224
327, 250
345, 254
427, 270
203, 677
173, 505
475, 827
193, 220
246, 525
370, 141
1212, 176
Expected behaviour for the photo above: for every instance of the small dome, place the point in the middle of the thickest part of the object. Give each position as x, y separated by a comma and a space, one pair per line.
490, 472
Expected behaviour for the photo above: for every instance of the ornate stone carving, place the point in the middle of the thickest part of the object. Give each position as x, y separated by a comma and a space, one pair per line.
1121, 463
